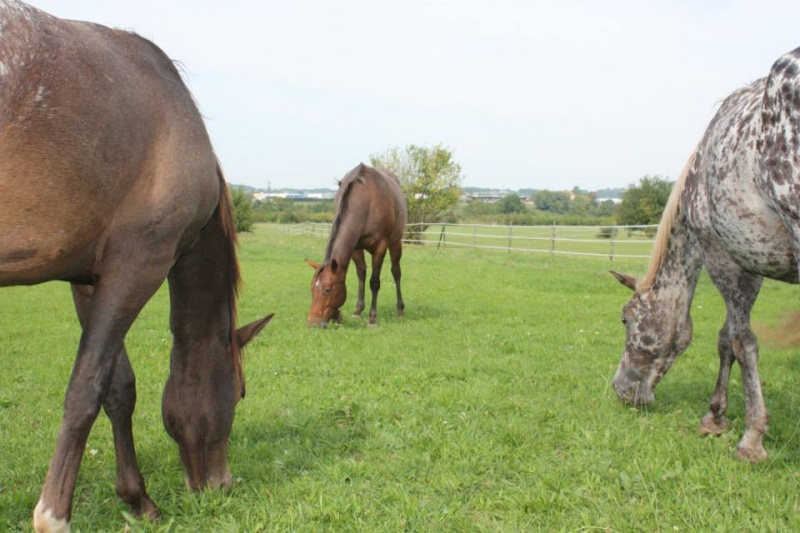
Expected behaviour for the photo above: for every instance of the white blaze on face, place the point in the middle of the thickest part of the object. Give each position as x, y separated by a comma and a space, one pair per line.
45, 522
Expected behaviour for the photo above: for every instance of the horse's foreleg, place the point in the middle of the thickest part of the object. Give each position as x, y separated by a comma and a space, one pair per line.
111, 310
375, 282
395, 254
361, 272
737, 341
751, 447
87, 387
119, 405
714, 422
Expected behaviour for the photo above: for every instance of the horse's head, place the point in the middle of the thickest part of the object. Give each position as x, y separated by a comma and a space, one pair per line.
198, 412
654, 337
328, 292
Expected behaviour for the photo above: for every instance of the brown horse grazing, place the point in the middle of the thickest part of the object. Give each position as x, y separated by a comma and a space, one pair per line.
370, 214
108, 181
735, 210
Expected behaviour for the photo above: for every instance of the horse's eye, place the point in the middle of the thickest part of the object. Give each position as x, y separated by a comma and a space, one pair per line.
624, 320
326, 292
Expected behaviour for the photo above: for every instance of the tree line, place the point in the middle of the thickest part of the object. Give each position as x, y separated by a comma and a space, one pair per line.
431, 180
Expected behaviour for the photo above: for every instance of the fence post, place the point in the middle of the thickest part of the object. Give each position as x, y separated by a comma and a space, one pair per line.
316, 229
611, 251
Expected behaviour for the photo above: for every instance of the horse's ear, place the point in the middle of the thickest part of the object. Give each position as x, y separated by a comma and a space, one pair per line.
247, 333
334, 265
628, 281
313, 264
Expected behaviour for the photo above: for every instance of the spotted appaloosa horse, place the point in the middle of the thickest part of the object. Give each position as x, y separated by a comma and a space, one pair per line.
735, 210
370, 214
108, 181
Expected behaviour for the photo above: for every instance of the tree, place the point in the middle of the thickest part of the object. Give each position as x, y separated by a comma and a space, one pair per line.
242, 210
512, 204
553, 201
606, 208
580, 203
643, 204
430, 178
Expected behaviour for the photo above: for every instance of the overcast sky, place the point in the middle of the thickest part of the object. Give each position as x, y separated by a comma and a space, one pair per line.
527, 94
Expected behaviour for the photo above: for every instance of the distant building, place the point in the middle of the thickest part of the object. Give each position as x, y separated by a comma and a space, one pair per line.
264, 196
604, 200
486, 197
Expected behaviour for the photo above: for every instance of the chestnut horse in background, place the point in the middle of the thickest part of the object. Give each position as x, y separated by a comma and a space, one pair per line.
370, 214
108, 181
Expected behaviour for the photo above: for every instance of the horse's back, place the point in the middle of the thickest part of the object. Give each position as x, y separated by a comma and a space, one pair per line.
391, 190
387, 206
728, 191
99, 140
780, 142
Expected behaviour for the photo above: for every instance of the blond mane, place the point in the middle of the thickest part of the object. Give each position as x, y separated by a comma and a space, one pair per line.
665, 226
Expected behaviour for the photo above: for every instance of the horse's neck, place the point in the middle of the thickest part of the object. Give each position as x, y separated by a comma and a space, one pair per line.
347, 235
342, 245
677, 275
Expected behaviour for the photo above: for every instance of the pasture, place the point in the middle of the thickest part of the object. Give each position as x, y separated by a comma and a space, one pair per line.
487, 408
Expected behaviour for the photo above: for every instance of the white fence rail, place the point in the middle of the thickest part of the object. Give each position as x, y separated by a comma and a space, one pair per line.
599, 241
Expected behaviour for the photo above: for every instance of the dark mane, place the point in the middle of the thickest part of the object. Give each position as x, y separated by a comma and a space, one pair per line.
345, 188
665, 225
228, 223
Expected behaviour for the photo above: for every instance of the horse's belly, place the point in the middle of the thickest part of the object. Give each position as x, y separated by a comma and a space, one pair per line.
758, 241
27, 258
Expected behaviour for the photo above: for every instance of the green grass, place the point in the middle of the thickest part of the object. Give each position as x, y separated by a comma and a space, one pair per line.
487, 408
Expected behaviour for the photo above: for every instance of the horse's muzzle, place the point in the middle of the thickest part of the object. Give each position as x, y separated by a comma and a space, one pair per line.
335, 316
631, 389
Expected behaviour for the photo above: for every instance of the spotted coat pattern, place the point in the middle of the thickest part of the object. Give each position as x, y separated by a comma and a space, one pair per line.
735, 211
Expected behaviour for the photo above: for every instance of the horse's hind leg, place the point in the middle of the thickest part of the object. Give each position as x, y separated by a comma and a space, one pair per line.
395, 254
361, 273
714, 422
119, 405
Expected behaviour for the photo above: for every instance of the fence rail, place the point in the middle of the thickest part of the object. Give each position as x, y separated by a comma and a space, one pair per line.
598, 241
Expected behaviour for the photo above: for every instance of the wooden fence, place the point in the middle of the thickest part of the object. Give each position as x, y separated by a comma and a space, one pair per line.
599, 241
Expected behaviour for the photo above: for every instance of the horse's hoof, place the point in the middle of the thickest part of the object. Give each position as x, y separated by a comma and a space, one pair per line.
751, 454
152, 514
145, 510
712, 425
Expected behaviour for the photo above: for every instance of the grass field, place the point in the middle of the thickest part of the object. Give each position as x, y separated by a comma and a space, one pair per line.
487, 408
